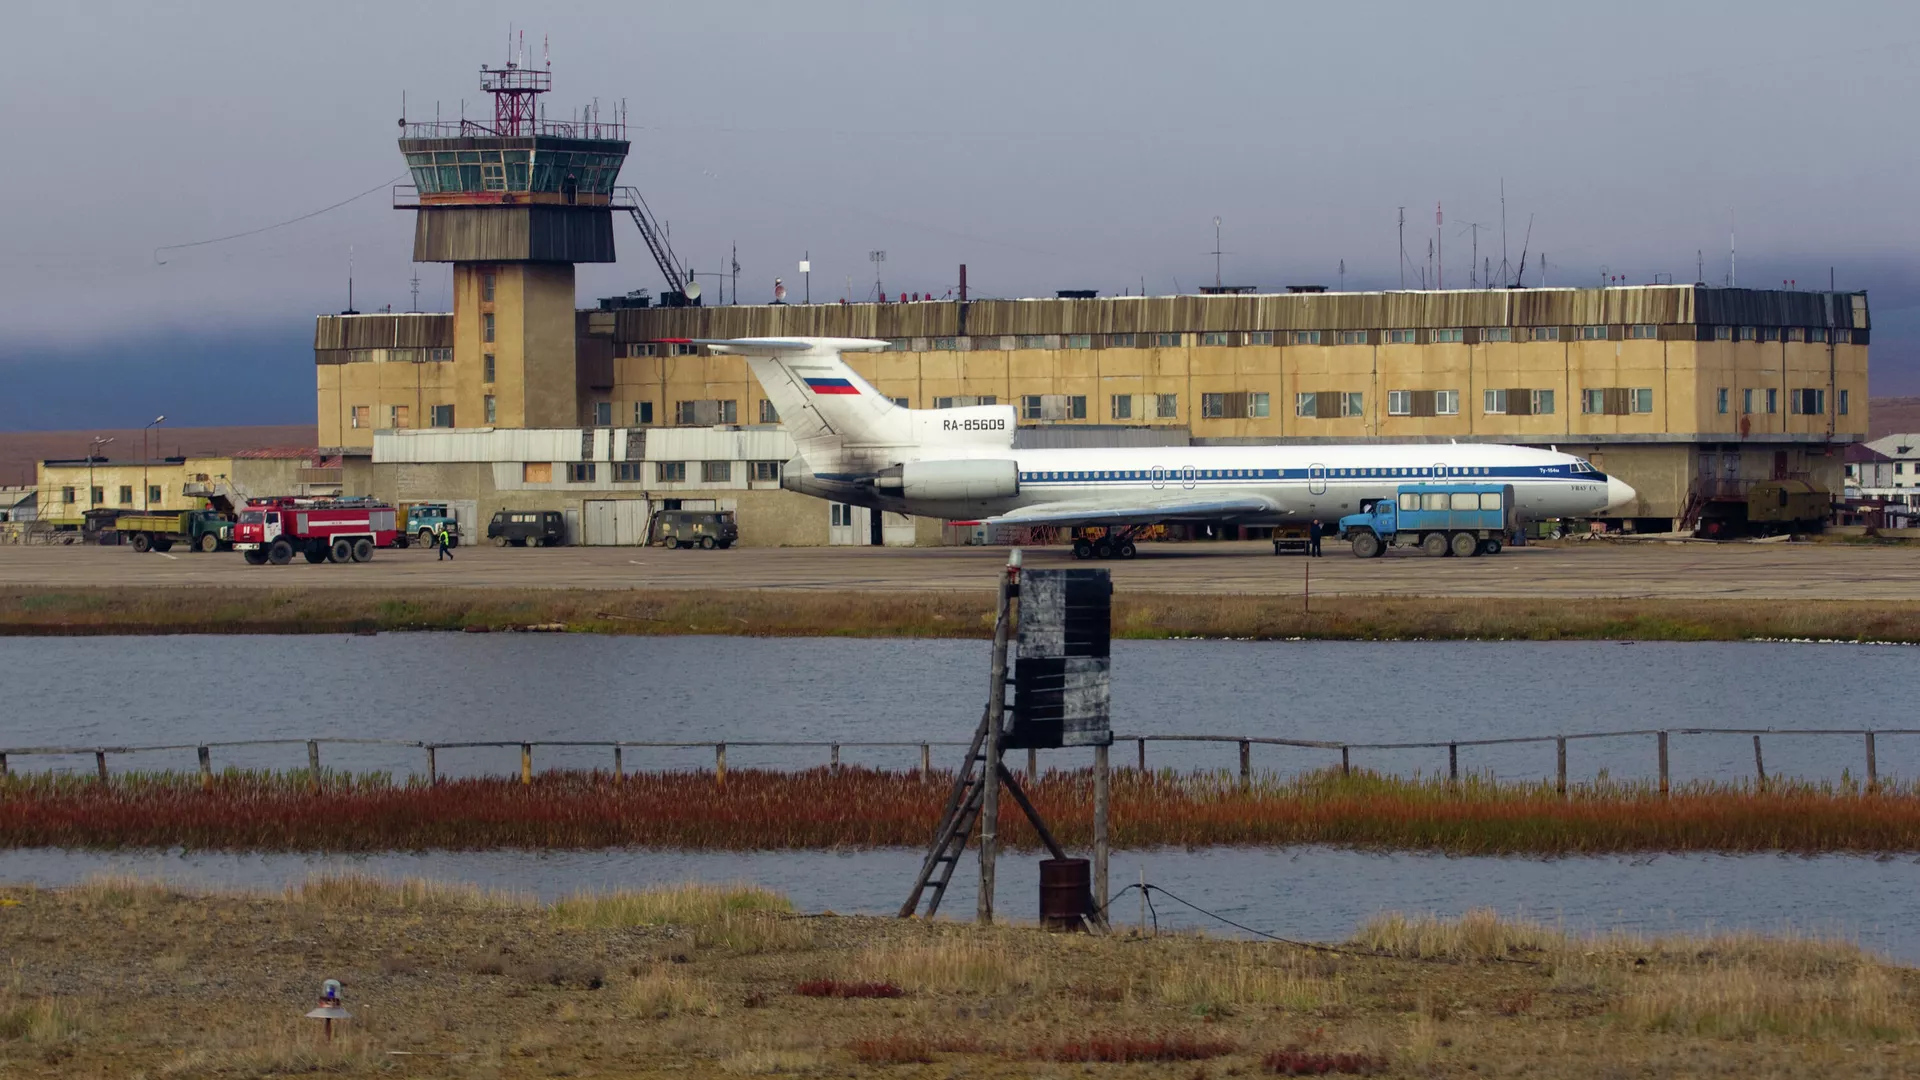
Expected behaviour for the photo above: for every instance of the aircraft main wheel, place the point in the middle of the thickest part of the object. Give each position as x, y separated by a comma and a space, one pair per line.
1464, 544
1127, 550
362, 549
256, 557
1103, 549
1434, 544
1082, 549
1365, 545
341, 550
209, 543
142, 542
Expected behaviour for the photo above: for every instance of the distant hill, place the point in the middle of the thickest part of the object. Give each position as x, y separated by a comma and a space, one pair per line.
21, 451
1892, 415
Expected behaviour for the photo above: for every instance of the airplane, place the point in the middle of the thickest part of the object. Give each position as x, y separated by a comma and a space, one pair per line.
855, 445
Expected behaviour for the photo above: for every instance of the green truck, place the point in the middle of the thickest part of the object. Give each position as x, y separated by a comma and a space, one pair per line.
204, 530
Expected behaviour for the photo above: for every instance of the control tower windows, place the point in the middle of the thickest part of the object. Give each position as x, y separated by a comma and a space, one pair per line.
486, 328
486, 288
538, 170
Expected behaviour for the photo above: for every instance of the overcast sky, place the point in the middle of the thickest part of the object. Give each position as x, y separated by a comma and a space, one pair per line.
1046, 145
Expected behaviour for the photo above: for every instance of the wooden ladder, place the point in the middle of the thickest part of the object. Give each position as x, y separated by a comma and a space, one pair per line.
955, 829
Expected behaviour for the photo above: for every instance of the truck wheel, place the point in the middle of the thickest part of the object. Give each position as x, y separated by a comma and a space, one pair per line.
209, 543
1082, 549
142, 542
1434, 544
1464, 544
1103, 548
314, 556
672, 542
1490, 546
426, 537
537, 541
341, 551
280, 553
499, 541
162, 544
362, 550
1126, 550
401, 540
1365, 545
708, 543
725, 544
256, 557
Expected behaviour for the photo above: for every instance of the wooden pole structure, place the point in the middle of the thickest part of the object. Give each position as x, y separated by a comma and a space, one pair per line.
1143, 752
720, 764
206, 769
1873, 767
1663, 763
526, 763
1101, 809
1246, 763
3, 766
1759, 763
313, 764
1346, 762
1453, 763
619, 767
100, 762
996, 717
1560, 751
833, 765
433, 766
1033, 763
926, 760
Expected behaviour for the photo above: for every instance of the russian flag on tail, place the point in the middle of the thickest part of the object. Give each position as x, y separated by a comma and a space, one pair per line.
832, 386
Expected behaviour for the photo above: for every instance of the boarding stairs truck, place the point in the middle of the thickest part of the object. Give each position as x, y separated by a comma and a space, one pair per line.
201, 530
273, 530
1439, 519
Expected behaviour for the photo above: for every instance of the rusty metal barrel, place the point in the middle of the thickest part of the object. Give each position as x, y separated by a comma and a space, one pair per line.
1066, 894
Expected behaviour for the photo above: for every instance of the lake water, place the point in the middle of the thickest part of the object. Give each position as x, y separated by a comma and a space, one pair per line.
475, 687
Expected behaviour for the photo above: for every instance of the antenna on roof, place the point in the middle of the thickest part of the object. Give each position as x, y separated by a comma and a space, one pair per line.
1503, 228
1517, 281
1403, 248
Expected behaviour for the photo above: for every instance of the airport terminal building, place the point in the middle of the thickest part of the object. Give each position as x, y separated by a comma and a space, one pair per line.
1687, 392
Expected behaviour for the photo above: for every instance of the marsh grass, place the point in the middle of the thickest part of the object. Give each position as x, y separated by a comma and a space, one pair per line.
691, 904
665, 992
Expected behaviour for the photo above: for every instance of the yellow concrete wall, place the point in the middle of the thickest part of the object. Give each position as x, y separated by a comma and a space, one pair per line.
254, 476
381, 386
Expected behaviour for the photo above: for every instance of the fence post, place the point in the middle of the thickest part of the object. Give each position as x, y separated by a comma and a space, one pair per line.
1453, 763
1759, 763
1560, 753
206, 769
526, 763
926, 759
1346, 763
1246, 763
1102, 779
834, 764
1033, 763
619, 767
433, 768
100, 762
1663, 763
3, 766
720, 764
1872, 767
313, 764
1143, 752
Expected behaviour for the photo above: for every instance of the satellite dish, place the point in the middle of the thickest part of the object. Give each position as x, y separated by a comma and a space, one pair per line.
691, 290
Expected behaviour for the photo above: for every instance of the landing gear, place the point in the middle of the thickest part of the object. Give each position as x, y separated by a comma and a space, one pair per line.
1114, 545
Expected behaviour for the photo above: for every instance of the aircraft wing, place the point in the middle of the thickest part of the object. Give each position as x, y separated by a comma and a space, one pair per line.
1068, 513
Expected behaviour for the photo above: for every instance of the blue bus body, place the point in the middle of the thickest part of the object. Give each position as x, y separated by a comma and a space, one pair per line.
1440, 519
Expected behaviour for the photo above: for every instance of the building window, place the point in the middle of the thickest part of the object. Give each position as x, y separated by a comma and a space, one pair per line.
1400, 337
602, 414
1643, 330
1446, 402
1353, 337
1032, 407
1593, 333
1260, 337
66, 495
716, 472
945, 344
1352, 405
399, 416
440, 416
1720, 401
1593, 402
670, 472
705, 413
126, 494
642, 413
963, 401
766, 472
1454, 335
1723, 333
1546, 333
1213, 406
900, 401
1166, 341
627, 472
1077, 407
1542, 402
641, 348
1642, 400
1306, 337
1748, 333
1796, 334
1257, 405
1307, 404
1216, 337
1492, 402
1120, 341
1496, 333
486, 367
1079, 341
581, 472
1817, 333
362, 416
768, 414
1807, 402
1843, 403
440, 356
1769, 333
486, 288
1033, 341
1166, 406
99, 496
1746, 400
1399, 403
1773, 401
486, 330
1121, 407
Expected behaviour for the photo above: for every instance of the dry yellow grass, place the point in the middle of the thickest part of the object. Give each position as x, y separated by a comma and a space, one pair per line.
664, 992
691, 904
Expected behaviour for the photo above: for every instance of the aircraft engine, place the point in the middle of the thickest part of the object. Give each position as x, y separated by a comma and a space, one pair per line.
952, 481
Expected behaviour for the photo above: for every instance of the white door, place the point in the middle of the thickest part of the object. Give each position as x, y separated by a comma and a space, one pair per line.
630, 522
573, 525
842, 528
600, 522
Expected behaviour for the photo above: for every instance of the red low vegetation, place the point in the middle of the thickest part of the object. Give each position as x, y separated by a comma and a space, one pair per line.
819, 808
834, 988
1124, 1048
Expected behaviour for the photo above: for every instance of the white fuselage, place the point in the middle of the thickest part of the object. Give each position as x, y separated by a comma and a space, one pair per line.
1299, 482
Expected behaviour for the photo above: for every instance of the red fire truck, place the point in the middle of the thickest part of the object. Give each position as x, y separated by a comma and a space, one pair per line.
339, 530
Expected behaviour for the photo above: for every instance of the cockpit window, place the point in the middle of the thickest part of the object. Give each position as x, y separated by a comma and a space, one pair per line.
1580, 466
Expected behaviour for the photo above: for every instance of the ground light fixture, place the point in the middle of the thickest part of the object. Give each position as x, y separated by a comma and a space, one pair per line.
329, 1008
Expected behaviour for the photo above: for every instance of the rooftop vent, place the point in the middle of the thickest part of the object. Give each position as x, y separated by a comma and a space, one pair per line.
1306, 288
1076, 294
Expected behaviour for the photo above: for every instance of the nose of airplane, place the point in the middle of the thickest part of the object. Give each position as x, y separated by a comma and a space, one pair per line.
1620, 494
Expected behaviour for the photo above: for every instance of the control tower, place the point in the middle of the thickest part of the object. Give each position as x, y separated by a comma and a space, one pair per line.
513, 204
